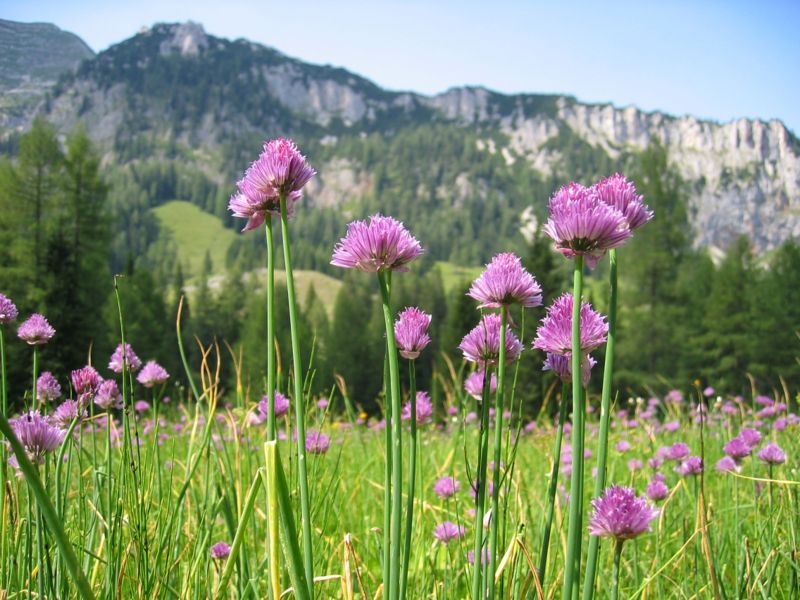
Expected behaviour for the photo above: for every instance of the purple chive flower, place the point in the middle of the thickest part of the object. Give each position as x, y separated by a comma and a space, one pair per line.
656, 490
674, 396
677, 451
411, 332
108, 395
726, 464
141, 406
220, 551
382, 243
37, 435
322, 403
751, 437
482, 344
446, 487
635, 464
47, 387
561, 365
764, 400
424, 409
581, 224
126, 354
317, 442
85, 382
737, 449
555, 333
620, 514
623, 446
504, 282
691, 466
473, 384
672, 426
281, 405
66, 412
447, 532
8, 310
618, 192
152, 374
280, 169
36, 330
772, 454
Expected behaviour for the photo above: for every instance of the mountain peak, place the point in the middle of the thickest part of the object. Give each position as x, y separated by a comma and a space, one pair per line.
184, 38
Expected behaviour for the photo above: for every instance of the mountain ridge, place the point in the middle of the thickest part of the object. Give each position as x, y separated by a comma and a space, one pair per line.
175, 86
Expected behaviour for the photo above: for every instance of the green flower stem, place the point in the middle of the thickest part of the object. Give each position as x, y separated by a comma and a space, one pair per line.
35, 375
615, 573
480, 482
498, 450
412, 474
273, 514
384, 279
302, 588
48, 511
605, 413
270, 330
551, 492
575, 529
299, 401
387, 479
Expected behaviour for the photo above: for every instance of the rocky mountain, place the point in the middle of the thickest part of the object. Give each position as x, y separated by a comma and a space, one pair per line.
32, 58
175, 93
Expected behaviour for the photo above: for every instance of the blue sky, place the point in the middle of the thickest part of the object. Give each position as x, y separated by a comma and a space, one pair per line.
713, 59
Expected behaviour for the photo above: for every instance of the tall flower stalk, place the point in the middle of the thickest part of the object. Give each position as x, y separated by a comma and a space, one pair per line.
575, 529
605, 412
584, 227
394, 423
485, 344
299, 403
504, 282
383, 245
619, 193
411, 336
271, 186
271, 366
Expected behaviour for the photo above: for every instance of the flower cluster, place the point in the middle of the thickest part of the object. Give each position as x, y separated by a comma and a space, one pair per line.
411, 332
504, 282
280, 170
620, 514
382, 243
482, 344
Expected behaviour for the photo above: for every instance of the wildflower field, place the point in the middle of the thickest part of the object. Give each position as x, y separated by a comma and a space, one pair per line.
127, 481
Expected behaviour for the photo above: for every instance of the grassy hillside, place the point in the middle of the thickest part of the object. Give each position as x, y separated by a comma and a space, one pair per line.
195, 232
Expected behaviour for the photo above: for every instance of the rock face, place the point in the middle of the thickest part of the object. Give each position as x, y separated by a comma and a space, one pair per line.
32, 58
173, 84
